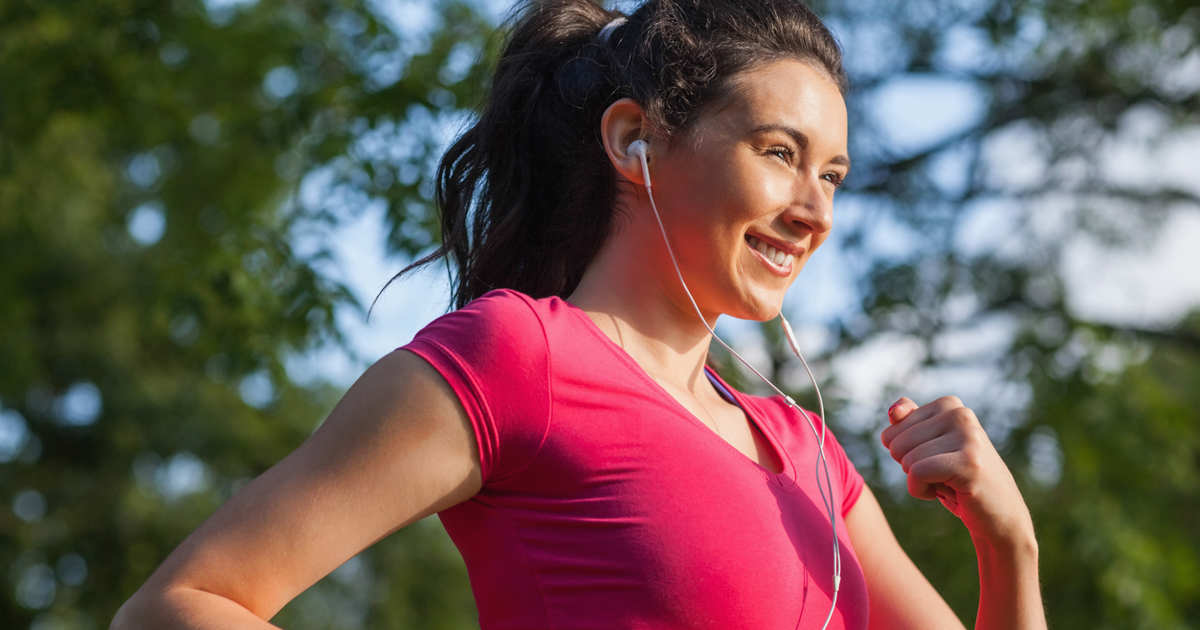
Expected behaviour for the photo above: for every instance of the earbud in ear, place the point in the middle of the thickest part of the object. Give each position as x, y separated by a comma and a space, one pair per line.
638, 147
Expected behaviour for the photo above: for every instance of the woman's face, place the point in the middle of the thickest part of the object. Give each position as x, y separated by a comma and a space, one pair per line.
746, 194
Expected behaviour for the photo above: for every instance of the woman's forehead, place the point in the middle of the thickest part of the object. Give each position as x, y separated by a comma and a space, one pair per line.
783, 93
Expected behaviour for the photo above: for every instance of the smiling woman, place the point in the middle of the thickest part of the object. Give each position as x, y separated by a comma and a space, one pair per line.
746, 186
630, 179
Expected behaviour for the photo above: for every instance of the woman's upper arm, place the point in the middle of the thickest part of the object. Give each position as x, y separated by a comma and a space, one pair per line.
900, 595
396, 448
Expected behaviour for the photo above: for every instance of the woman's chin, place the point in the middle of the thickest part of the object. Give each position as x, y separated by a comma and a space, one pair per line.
764, 308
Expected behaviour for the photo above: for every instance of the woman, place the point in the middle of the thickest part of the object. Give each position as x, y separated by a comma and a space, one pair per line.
562, 422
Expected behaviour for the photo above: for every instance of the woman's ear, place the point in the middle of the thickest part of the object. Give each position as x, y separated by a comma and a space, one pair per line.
623, 122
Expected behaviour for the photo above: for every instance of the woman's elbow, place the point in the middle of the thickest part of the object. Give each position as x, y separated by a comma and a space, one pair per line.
146, 608
132, 614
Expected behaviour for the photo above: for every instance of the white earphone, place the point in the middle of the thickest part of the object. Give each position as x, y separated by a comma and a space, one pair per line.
640, 148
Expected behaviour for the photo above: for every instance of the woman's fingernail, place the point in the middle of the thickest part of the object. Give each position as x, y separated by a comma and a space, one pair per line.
894, 405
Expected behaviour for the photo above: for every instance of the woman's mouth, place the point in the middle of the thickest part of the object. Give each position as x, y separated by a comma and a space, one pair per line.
778, 262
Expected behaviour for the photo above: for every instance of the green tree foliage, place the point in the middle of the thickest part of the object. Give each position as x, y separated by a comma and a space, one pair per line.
154, 282
1119, 521
165, 255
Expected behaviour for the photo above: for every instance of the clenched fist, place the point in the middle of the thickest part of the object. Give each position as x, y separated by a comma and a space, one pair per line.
948, 456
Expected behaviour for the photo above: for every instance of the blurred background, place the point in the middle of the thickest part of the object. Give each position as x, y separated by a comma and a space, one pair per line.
198, 200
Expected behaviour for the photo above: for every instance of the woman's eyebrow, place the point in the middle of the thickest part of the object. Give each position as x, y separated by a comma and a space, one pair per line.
799, 138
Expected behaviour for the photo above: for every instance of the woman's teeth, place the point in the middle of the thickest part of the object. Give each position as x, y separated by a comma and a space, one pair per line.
774, 255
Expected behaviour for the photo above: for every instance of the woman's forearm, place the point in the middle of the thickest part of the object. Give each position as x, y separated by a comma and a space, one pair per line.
948, 456
185, 609
1010, 595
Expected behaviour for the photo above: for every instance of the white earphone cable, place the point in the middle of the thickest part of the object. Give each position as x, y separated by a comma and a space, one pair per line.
639, 147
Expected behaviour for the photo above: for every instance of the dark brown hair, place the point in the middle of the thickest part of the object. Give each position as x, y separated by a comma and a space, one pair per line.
527, 194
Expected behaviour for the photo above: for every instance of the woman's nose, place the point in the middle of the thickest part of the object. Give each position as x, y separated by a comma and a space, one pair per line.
812, 207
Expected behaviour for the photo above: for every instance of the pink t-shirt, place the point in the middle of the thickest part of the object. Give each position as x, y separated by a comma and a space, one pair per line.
606, 504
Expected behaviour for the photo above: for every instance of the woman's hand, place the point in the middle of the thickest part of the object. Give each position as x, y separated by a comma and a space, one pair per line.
948, 456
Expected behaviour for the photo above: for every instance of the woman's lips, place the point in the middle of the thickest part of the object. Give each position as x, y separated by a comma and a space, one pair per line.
767, 254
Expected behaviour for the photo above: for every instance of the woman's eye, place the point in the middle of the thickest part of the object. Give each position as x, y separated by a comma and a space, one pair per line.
782, 153
834, 178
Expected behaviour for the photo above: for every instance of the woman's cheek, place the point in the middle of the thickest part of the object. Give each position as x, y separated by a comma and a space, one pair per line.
817, 240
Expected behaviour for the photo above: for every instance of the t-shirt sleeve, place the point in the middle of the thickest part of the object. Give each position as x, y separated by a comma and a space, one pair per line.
840, 467
494, 355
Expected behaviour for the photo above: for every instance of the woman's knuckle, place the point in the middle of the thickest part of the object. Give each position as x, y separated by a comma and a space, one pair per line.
950, 401
972, 459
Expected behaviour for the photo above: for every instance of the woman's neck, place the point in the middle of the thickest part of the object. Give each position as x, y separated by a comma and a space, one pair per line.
648, 315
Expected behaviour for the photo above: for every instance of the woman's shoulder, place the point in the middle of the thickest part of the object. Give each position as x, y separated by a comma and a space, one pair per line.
511, 307
500, 318
498, 306
510, 301
500, 299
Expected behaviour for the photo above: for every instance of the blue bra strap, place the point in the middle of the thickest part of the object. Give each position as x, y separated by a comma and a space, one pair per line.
720, 388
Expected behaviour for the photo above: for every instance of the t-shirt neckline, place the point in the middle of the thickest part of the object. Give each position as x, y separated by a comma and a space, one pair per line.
786, 467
